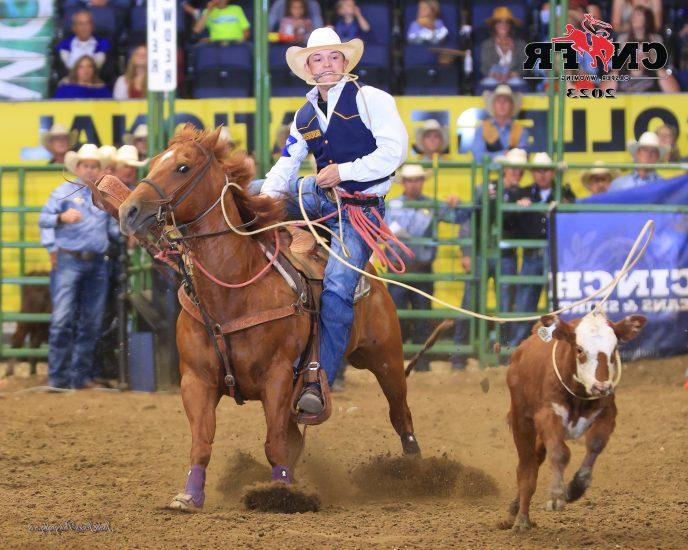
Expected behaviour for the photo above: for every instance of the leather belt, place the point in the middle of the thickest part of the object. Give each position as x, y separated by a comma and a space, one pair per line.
85, 256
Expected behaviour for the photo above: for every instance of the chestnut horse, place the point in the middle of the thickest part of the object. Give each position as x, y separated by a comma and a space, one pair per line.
188, 179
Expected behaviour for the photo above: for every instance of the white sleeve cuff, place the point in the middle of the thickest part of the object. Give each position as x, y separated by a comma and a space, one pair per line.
345, 169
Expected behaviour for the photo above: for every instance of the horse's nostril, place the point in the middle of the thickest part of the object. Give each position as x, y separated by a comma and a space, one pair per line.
131, 215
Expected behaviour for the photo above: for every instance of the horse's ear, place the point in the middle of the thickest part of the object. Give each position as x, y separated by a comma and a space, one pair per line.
210, 140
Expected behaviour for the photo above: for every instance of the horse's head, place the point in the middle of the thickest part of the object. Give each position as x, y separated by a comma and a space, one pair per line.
183, 181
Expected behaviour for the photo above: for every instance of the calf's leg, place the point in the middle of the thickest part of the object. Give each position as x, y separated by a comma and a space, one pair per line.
551, 429
527, 471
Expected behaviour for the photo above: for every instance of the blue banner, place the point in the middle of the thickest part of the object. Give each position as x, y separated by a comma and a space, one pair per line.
592, 247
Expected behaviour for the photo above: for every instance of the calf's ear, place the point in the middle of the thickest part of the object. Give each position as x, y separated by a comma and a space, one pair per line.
629, 327
560, 329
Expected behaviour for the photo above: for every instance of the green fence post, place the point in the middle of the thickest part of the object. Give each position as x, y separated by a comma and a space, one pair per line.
261, 80
484, 236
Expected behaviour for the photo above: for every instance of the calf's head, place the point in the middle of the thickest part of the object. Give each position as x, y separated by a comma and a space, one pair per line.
594, 340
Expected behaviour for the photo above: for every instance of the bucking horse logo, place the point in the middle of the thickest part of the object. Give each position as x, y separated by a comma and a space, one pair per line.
592, 40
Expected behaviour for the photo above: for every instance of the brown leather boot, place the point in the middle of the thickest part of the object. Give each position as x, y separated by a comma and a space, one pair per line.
311, 399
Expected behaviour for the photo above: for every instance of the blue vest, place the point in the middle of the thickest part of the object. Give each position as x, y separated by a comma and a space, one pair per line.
345, 140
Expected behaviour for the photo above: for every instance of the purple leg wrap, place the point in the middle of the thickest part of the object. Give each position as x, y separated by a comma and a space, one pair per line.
281, 473
195, 484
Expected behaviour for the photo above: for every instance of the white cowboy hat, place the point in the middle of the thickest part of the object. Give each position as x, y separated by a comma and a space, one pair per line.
541, 158
431, 125
598, 170
648, 139
140, 132
57, 130
513, 156
504, 90
107, 154
129, 156
412, 171
226, 136
88, 151
324, 38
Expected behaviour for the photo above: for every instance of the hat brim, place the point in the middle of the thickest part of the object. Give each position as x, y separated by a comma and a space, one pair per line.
489, 97
513, 20
134, 163
443, 130
585, 176
401, 177
72, 136
72, 160
297, 56
633, 147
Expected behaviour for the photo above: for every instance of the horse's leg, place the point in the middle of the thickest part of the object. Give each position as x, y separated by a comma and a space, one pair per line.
388, 368
276, 398
200, 397
295, 442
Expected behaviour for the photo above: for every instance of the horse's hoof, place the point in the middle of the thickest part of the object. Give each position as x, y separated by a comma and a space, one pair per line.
184, 503
555, 504
521, 524
277, 497
409, 444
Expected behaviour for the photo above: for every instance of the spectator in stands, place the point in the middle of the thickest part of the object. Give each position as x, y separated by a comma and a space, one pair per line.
83, 82
278, 11
409, 222
350, 22
428, 28
225, 23
133, 83
622, 13
500, 132
471, 260
58, 140
83, 42
431, 139
127, 164
534, 226
296, 25
598, 179
80, 280
647, 150
502, 55
138, 139
668, 136
280, 141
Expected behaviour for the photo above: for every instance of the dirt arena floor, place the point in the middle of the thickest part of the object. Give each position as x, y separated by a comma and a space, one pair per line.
110, 463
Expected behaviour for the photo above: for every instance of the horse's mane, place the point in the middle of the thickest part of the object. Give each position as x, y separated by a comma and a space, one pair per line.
266, 209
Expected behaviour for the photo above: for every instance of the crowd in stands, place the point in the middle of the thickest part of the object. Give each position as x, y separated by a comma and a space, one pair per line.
413, 47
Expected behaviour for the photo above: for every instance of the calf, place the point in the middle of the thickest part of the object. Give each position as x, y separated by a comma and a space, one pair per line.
545, 411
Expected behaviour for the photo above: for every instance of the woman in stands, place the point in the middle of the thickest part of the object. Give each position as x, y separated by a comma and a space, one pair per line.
296, 26
350, 23
82, 82
133, 83
502, 56
428, 28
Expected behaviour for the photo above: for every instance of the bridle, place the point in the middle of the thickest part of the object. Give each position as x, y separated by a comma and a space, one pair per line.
167, 204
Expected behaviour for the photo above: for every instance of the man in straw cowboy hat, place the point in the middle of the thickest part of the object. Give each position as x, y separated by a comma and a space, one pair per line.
358, 140
431, 139
500, 132
127, 164
598, 179
58, 140
139, 139
647, 150
408, 222
80, 281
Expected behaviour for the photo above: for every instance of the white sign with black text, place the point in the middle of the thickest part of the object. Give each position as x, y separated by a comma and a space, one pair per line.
162, 45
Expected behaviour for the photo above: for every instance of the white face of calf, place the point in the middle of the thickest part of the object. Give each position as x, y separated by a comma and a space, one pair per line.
594, 341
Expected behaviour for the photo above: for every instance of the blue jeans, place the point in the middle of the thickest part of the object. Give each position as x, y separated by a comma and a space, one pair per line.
339, 284
462, 330
528, 296
78, 294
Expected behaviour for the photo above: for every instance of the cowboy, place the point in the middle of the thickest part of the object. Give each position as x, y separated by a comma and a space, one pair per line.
598, 179
358, 140
647, 150
127, 164
80, 280
58, 140
408, 222
108, 162
534, 226
138, 139
500, 132
431, 139
471, 260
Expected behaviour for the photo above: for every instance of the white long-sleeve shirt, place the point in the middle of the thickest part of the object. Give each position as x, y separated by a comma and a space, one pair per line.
387, 129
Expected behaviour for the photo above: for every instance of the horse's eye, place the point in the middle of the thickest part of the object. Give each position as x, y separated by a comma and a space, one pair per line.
182, 168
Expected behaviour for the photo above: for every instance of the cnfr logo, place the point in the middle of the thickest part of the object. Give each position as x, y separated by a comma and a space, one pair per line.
593, 39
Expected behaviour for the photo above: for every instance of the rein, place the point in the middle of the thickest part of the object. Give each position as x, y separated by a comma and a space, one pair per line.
587, 397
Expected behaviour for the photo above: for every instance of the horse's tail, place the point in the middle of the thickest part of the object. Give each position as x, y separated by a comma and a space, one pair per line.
441, 328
